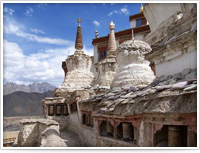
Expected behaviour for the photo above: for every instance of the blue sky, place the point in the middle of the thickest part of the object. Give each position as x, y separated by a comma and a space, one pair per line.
39, 36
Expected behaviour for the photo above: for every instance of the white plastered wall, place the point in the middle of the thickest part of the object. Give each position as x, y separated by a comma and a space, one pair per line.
132, 24
178, 64
156, 13
95, 54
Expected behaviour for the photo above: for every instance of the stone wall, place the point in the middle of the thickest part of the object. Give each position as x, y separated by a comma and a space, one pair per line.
40, 133
89, 135
145, 135
62, 120
174, 42
156, 13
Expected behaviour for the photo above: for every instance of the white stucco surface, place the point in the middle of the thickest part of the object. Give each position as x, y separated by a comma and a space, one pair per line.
95, 54
133, 68
187, 60
156, 13
132, 24
139, 36
79, 74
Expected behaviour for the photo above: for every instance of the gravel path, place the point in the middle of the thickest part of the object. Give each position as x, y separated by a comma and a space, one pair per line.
72, 138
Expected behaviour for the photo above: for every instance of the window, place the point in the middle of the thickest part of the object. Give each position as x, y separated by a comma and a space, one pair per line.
128, 131
102, 52
125, 131
177, 136
138, 22
103, 129
91, 120
84, 119
65, 110
58, 110
50, 110
73, 107
87, 118
106, 129
102, 55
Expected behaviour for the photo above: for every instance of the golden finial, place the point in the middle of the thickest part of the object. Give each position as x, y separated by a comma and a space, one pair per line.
79, 21
141, 8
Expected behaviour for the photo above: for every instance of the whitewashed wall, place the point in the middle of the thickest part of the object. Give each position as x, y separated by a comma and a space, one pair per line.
133, 24
170, 67
156, 13
95, 54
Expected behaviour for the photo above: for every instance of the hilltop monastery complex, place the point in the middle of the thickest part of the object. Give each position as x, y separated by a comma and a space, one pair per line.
138, 90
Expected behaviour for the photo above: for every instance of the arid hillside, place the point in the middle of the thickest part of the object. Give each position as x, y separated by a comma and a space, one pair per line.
24, 104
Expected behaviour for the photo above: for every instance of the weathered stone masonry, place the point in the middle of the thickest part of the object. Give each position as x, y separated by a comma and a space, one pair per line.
134, 108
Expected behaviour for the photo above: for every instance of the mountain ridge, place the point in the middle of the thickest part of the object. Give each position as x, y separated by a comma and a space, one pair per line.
11, 87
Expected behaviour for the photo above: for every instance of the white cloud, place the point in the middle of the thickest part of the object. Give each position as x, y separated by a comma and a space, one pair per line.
114, 12
55, 41
123, 10
96, 23
29, 11
37, 31
44, 65
110, 14
8, 10
88, 51
13, 28
13, 57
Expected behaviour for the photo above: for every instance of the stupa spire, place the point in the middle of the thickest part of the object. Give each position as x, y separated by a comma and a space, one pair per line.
79, 40
111, 43
141, 8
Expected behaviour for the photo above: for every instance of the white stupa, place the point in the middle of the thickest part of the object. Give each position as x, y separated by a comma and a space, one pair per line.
78, 65
133, 68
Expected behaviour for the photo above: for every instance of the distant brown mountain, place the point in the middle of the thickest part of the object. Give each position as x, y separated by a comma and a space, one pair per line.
24, 104
11, 87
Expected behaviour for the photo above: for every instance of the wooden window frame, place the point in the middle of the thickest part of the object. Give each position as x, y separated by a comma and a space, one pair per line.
66, 110
49, 110
61, 110
88, 120
72, 107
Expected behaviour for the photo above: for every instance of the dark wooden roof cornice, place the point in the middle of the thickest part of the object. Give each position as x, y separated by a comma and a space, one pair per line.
136, 16
118, 34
